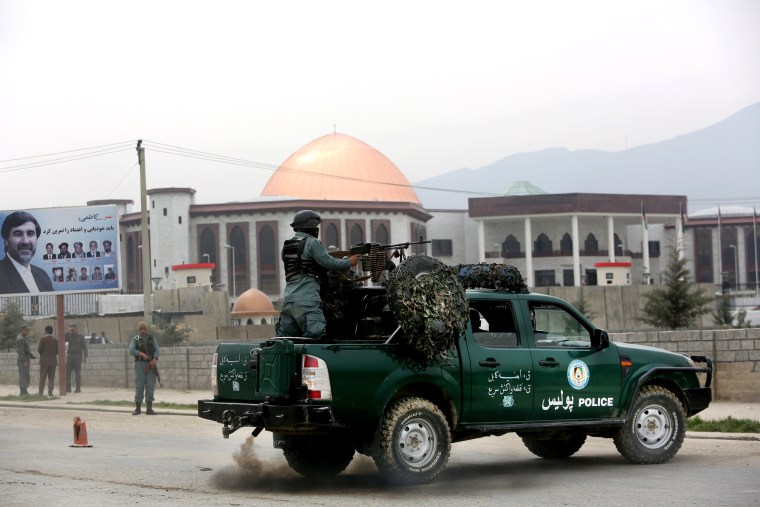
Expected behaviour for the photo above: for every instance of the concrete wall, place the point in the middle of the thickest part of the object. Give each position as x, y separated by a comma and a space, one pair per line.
736, 356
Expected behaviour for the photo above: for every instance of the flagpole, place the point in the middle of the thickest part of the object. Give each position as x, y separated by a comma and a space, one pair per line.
680, 231
754, 236
720, 252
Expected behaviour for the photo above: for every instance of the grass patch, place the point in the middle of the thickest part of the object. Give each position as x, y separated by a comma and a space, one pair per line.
30, 397
108, 403
725, 425
131, 403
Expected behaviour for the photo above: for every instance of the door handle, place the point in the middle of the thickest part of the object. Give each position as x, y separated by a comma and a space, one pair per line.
549, 361
490, 362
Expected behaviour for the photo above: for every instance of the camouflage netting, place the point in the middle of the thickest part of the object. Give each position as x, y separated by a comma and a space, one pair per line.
429, 304
501, 277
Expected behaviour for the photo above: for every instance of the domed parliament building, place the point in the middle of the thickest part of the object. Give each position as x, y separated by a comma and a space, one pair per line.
554, 239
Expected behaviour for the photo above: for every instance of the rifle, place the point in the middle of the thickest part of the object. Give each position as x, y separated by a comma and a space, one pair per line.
155, 368
377, 260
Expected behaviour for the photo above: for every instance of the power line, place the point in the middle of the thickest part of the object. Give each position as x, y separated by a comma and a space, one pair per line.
169, 149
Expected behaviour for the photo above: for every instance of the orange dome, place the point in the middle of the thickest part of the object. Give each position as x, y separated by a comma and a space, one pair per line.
253, 302
340, 168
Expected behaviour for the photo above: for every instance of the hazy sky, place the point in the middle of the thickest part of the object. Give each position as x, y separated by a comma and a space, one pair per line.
434, 85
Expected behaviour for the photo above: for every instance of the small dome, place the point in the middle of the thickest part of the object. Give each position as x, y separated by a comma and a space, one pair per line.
338, 167
252, 302
523, 188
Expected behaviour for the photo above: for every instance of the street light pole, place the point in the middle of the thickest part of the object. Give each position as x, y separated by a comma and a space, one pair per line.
234, 288
736, 266
207, 257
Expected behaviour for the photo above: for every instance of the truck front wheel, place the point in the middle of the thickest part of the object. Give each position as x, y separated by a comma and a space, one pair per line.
414, 442
655, 429
319, 456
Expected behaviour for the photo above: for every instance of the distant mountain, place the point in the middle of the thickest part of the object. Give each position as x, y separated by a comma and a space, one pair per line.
722, 160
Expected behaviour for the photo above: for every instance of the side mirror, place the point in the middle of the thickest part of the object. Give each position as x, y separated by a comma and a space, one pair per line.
600, 340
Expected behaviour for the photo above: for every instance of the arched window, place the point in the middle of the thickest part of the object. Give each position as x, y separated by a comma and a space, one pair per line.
510, 247
267, 261
132, 274
239, 264
542, 246
566, 245
749, 254
381, 235
208, 246
591, 246
332, 238
618, 245
356, 235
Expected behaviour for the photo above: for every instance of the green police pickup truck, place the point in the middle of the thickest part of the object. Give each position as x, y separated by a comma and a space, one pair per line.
518, 362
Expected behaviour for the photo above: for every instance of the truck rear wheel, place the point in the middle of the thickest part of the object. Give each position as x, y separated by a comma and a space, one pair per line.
319, 456
655, 429
556, 448
414, 442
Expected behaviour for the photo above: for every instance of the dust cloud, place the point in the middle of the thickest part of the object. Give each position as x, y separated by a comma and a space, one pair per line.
254, 473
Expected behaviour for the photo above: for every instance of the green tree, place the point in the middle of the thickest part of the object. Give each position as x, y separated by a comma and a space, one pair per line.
10, 326
679, 302
169, 335
724, 318
583, 306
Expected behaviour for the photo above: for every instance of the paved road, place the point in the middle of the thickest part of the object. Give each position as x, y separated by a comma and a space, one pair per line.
181, 459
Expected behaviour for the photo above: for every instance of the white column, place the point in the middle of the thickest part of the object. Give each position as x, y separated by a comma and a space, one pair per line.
740, 251
611, 237
576, 252
528, 275
481, 241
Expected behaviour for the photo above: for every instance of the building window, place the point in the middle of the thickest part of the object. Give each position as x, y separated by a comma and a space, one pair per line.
180, 220
654, 248
165, 212
190, 279
510, 247
591, 246
703, 256
568, 277
382, 236
331, 236
268, 259
545, 278
566, 245
356, 235
618, 245
442, 248
542, 246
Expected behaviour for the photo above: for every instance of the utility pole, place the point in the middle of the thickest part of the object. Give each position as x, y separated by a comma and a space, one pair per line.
147, 289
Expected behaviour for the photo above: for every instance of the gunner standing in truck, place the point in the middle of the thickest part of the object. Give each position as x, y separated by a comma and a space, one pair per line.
306, 259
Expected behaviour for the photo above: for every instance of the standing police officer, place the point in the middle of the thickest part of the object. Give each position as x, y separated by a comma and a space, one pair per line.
24, 360
305, 260
76, 356
145, 350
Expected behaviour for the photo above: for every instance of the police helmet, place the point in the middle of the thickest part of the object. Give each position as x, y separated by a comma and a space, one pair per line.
306, 219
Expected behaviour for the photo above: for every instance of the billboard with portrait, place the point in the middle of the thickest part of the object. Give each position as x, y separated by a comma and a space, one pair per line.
59, 250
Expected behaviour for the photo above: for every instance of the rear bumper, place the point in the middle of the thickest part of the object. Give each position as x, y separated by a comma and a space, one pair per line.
265, 415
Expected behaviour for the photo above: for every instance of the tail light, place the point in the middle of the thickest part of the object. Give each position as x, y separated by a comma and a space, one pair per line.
214, 385
316, 378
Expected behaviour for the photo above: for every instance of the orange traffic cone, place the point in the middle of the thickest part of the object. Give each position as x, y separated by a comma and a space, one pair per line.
80, 433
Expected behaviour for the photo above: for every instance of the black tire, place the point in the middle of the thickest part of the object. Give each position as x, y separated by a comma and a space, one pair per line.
319, 456
655, 429
414, 442
558, 448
